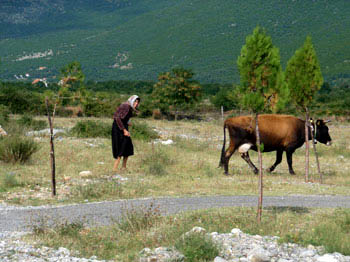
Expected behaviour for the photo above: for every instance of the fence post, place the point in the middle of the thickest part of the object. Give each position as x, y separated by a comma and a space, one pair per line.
52, 151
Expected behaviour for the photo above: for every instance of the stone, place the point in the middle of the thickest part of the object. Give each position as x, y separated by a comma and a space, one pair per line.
259, 254
327, 258
2, 132
85, 173
220, 259
236, 231
161, 254
308, 253
196, 230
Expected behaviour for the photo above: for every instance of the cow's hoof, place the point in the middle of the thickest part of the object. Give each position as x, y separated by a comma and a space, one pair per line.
292, 173
256, 171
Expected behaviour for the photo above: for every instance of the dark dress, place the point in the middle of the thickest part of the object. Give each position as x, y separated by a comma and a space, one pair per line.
121, 145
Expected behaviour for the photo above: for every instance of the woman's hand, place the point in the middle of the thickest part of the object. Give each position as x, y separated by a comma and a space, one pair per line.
126, 132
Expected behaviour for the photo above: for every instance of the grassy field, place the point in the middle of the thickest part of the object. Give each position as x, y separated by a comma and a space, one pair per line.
186, 167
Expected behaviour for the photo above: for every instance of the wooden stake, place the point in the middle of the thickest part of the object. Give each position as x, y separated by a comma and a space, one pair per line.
260, 202
316, 155
307, 146
52, 151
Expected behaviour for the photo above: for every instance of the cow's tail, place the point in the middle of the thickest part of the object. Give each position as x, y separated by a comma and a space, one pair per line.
222, 158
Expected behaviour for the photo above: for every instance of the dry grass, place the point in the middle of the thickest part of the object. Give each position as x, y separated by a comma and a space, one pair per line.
192, 169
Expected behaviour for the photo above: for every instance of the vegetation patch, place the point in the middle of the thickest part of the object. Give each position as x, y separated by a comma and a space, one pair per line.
29, 122
138, 229
197, 247
8, 181
90, 128
96, 191
156, 161
142, 131
15, 149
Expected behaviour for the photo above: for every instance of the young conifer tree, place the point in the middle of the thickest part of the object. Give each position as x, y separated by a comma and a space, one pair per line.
304, 79
176, 90
261, 80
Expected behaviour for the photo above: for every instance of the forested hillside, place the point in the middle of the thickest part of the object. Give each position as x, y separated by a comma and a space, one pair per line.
137, 39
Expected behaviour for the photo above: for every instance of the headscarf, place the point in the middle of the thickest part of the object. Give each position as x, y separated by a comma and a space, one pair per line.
132, 99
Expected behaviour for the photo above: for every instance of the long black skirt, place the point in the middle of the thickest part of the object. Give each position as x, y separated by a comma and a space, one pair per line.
121, 145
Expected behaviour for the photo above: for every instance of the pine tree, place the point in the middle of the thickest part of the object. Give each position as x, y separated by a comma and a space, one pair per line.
176, 90
261, 84
304, 79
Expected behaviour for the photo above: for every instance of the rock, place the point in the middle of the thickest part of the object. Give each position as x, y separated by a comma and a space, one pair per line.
259, 254
161, 254
219, 259
236, 232
166, 142
327, 258
308, 253
45, 132
196, 230
85, 173
120, 178
2, 132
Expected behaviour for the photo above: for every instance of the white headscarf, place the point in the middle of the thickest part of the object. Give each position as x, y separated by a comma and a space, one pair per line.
131, 100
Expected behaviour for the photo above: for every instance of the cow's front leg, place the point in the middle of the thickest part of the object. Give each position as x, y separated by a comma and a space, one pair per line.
290, 161
278, 160
246, 157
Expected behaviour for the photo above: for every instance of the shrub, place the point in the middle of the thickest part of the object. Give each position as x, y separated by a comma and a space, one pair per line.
71, 229
4, 115
9, 180
157, 114
98, 108
97, 190
29, 122
91, 128
146, 107
135, 220
157, 162
225, 97
15, 149
42, 226
142, 131
197, 247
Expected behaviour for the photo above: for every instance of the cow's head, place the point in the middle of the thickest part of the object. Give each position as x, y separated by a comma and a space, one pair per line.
322, 134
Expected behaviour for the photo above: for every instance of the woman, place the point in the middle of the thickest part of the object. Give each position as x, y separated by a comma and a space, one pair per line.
121, 142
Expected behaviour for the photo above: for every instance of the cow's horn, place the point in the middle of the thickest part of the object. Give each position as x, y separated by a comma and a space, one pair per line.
327, 121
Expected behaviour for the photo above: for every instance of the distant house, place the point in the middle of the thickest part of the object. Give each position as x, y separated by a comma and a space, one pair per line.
37, 80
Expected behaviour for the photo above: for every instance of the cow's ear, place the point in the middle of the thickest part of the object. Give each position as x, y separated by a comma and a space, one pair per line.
319, 122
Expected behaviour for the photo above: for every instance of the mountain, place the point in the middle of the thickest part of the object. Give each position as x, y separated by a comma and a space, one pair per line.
137, 39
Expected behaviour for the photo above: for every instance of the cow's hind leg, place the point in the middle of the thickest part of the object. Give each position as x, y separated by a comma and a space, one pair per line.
227, 156
278, 160
246, 157
289, 154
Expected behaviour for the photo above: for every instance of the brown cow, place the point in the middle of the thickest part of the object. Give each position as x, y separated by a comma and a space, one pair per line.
277, 133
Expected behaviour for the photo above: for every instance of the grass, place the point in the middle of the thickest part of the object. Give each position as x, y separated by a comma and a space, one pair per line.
140, 228
186, 167
197, 247
9, 181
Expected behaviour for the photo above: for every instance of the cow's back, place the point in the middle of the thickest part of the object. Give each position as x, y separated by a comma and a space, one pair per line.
276, 131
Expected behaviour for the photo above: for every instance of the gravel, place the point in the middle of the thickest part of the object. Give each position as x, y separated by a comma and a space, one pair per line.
13, 249
237, 246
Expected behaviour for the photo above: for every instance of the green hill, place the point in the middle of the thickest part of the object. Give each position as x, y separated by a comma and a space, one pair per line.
137, 39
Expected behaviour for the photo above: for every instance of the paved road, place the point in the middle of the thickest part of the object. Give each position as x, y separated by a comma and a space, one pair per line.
103, 213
